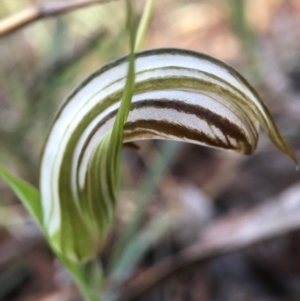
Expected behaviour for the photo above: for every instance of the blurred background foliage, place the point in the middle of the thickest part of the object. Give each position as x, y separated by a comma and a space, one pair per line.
170, 192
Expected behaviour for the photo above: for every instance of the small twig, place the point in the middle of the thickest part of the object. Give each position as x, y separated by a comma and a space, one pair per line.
229, 234
49, 9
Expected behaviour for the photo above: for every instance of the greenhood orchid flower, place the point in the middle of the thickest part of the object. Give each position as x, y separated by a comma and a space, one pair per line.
178, 95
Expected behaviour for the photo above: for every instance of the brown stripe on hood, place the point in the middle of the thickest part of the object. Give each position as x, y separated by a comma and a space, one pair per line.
140, 128
228, 128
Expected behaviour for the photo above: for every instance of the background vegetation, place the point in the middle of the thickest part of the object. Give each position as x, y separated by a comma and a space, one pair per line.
233, 220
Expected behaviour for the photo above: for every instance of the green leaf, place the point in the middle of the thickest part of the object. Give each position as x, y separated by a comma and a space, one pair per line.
27, 194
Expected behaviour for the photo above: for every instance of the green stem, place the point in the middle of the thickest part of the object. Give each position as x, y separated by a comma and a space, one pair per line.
90, 283
88, 277
143, 25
